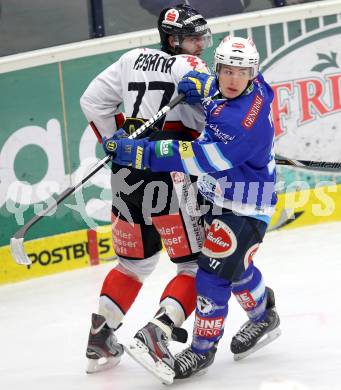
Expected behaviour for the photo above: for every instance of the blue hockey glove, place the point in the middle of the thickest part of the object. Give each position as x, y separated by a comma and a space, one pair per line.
197, 86
109, 144
130, 152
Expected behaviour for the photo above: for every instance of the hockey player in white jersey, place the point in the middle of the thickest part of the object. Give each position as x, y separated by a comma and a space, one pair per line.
145, 80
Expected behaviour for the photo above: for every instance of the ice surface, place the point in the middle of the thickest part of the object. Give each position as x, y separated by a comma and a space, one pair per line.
45, 322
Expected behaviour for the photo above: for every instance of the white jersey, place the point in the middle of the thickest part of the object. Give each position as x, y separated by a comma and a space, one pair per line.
144, 80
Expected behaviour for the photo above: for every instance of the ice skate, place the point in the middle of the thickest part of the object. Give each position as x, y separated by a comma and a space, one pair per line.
150, 347
188, 362
103, 350
255, 335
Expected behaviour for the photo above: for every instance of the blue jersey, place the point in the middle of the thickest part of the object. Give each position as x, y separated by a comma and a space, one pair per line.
233, 158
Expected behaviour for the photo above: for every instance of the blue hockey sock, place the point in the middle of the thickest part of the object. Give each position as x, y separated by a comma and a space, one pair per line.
213, 294
250, 292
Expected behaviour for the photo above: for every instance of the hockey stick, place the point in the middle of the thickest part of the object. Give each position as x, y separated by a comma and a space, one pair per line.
17, 241
308, 164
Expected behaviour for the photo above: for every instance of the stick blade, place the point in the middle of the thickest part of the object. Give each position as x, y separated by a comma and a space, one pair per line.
18, 252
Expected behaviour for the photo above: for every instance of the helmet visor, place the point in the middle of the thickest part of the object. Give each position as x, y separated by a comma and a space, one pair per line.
194, 44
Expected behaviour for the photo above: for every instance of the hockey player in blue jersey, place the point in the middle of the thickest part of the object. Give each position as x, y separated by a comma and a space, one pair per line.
234, 161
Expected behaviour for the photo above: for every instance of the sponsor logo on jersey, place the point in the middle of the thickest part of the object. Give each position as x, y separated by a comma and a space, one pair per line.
185, 150
246, 300
208, 327
139, 157
220, 135
214, 263
193, 61
178, 177
218, 110
249, 254
172, 231
220, 241
111, 145
127, 238
164, 148
252, 115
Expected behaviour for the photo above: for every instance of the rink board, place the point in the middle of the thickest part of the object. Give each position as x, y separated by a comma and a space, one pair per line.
79, 249
63, 252
45, 140
307, 207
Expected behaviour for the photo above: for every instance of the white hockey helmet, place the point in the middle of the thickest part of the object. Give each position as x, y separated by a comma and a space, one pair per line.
236, 51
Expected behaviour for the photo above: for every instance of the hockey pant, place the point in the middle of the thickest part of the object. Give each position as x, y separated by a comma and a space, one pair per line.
161, 209
225, 267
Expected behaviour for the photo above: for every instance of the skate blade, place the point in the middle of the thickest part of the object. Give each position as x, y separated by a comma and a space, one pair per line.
269, 338
195, 374
140, 353
102, 364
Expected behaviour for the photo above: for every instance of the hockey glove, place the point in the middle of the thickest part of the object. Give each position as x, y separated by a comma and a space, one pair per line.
129, 152
109, 144
197, 86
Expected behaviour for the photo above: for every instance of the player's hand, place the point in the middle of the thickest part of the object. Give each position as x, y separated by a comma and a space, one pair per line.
197, 86
130, 152
109, 144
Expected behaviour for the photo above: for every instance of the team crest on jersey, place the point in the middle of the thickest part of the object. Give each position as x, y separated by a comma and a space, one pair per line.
252, 115
206, 306
220, 241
